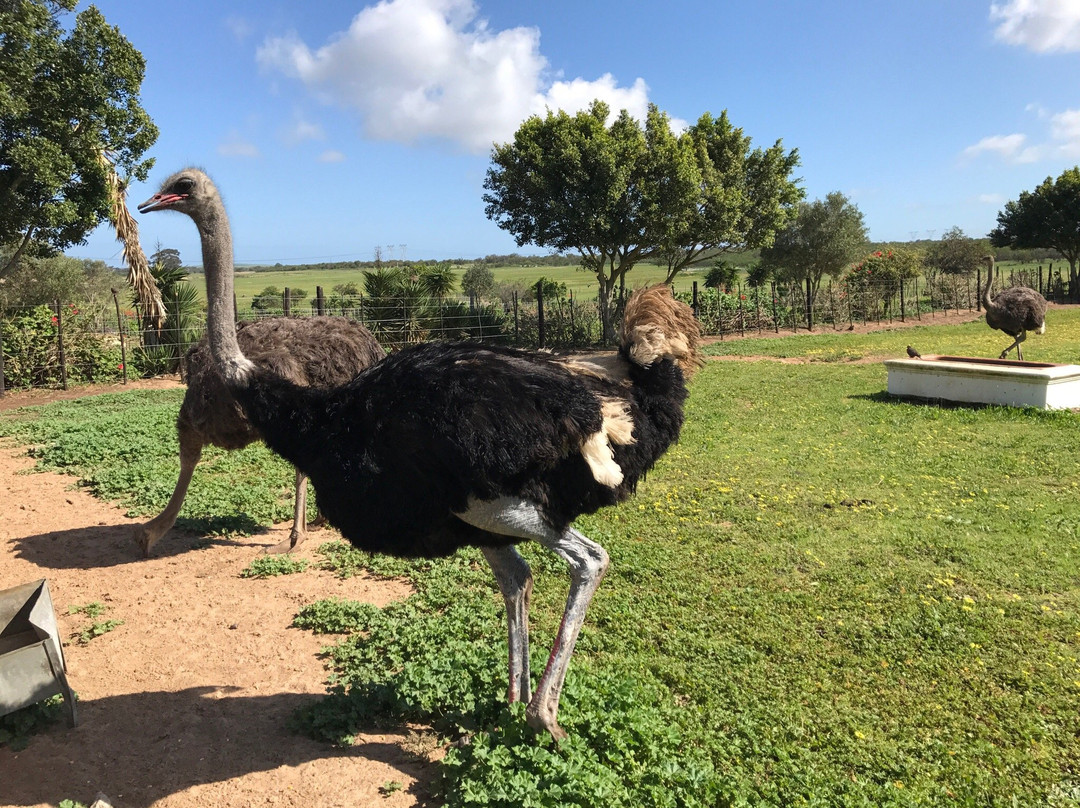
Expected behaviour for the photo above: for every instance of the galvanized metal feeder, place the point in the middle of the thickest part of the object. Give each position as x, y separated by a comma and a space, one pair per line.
31, 656
975, 380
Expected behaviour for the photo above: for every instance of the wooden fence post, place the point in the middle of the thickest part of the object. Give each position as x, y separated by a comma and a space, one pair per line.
517, 325
902, 312
1, 362
694, 304
120, 331
285, 307
540, 312
320, 301
60, 344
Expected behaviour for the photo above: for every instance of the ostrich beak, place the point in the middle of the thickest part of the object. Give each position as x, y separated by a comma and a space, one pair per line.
160, 202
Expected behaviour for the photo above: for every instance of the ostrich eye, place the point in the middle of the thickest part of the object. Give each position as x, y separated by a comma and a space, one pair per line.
184, 186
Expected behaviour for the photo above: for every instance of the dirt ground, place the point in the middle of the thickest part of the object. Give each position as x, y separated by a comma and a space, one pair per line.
186, 703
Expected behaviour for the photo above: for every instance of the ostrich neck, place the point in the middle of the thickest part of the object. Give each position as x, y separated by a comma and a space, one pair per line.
989, 283
218, 268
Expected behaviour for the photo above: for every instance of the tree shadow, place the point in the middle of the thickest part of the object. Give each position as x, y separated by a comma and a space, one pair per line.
141, 747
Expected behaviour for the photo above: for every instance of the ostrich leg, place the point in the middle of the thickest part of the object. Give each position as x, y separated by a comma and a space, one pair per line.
588, 562
191, 446
515, 582
299, 525
1016, 344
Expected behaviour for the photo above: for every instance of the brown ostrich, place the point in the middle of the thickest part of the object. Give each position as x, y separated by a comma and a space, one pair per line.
309, 351
444, 445
1015, 311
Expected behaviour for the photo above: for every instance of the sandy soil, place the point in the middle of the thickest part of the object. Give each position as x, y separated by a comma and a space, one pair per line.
186, 703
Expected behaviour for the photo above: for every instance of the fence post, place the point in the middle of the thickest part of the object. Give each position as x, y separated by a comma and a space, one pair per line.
320, 301
60, 344
1, 361
120, 331
902, 312
540, 312
517, 337
742, 318
775, 318
285, 301
1040, 280
573, 337
694, 304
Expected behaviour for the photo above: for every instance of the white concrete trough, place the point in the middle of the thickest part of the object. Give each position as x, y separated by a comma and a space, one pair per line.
974, 380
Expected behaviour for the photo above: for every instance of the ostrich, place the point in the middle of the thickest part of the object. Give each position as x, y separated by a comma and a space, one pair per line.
320, 351
443, 445
1015, 311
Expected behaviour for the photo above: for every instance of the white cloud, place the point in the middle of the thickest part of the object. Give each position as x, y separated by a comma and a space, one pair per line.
301, 130
1039, 25
416, 69
1010, 148
331, 156
239, 27
235, 146
1065, 130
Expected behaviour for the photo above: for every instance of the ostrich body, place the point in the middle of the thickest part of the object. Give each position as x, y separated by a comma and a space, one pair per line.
1015, 311
310, 351
444, 445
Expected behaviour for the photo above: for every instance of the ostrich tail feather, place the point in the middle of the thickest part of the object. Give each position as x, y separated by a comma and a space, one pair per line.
657, 326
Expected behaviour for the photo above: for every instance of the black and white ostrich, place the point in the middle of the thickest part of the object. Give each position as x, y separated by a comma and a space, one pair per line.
310, 351
443, 445
1015, 311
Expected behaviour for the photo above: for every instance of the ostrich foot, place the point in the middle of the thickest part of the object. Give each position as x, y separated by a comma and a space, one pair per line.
544, 723
286, 545
317, 522
1003, 354
146, 536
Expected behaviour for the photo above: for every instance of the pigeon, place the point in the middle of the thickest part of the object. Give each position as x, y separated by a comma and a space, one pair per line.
913, 353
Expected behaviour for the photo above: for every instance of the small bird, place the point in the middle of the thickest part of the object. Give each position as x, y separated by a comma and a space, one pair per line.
913, 353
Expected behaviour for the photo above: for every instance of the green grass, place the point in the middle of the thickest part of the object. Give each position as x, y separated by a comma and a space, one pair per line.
1061, 343
249, 284
821, 596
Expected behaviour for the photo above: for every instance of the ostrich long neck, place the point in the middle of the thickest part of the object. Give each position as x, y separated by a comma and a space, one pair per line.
218, 267
986, 301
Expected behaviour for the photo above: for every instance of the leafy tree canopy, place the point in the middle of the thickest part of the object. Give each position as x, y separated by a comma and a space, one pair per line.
65, 100
621, 193
954, 254
479, 281
825, 236
1049, 216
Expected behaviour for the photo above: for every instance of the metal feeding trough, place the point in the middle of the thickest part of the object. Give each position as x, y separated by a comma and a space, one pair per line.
974, 380
31, 657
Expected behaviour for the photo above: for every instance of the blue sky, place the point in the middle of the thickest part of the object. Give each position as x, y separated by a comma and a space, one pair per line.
334, 127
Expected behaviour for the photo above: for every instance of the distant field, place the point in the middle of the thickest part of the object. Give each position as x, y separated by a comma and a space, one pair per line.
583, 284
249, 284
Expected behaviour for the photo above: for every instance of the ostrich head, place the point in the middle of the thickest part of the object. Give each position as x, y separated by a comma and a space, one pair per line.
188, 191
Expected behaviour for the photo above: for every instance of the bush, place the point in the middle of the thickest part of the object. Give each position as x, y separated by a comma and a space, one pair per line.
32, 351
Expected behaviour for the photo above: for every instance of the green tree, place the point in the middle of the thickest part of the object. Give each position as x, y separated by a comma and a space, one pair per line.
64, 99
478, 281
825, 236
1049, 216
268, 300
623, 193
721, 275
167, 259
743, 198
439, 280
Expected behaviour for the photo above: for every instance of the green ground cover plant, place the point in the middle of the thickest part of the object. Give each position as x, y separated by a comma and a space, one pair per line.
268, 566
820, 596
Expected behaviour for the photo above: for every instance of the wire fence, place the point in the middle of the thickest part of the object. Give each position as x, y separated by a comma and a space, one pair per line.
108, 340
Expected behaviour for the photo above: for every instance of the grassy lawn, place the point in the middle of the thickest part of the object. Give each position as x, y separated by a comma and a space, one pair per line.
821, 596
